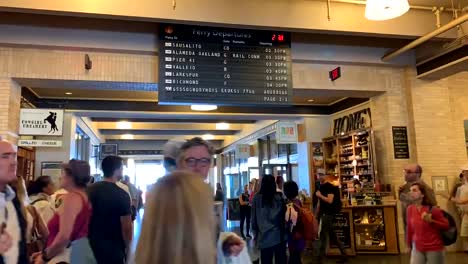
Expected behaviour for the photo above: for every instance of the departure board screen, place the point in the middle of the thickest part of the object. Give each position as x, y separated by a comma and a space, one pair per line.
224, 66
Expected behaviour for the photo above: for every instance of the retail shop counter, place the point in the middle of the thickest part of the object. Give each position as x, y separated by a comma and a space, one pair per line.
367, 229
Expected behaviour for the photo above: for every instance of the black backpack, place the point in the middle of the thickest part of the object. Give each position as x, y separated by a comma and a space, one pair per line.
450, 235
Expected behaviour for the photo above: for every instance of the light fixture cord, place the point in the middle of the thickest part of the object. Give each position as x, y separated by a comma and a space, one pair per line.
174, 4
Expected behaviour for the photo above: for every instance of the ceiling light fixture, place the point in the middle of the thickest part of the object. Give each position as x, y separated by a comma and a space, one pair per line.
127, 136
386, 9
222, 126
68, 93
311, 100
208, 137
203, 107
124, 125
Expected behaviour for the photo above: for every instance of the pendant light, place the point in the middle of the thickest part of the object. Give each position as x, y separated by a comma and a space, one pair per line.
386, 9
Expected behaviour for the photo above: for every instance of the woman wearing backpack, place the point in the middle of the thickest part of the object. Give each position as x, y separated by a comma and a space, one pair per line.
268, 210
424, 224
296, 242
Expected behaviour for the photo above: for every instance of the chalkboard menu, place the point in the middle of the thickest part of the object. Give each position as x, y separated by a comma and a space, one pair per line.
341, 225
400, 142
222, 66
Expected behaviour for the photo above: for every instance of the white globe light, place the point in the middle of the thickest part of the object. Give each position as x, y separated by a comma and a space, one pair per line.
386, 9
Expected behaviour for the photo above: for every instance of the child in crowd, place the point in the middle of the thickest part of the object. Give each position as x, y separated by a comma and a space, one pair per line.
296, 243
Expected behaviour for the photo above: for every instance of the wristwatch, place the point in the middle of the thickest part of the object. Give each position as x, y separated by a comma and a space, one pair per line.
44, 256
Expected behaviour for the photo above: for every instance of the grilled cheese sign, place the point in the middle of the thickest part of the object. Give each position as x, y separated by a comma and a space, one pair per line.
40, 143
354, 121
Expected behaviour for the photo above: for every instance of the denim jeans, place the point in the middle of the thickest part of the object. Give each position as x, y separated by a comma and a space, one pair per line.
277, 252
327, 233
81, 252
429, 257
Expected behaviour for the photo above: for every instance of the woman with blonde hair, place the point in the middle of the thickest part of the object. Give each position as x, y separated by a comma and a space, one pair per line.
178, 226
36, 229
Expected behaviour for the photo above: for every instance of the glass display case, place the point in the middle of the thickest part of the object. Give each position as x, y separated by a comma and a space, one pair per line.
369, 229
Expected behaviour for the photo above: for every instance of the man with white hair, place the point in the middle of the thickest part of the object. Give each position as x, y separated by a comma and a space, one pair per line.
13, 223
196, 155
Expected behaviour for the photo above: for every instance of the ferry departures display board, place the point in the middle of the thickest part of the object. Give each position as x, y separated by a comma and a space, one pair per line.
223, 66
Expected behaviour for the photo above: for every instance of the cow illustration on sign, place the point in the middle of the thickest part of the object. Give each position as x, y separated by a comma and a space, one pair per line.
51, 120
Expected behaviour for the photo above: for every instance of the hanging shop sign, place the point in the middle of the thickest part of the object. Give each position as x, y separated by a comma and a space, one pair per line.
41, 122
286, 133
243, 151
107, 150
354, 121
40, 143
400, 142
224, 66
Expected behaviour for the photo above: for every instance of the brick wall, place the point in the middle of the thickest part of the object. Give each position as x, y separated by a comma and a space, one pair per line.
10, 97
69, 65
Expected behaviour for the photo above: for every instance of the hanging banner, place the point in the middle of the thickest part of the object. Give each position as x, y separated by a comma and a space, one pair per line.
41, 122
243, 151
286, 133
40, 143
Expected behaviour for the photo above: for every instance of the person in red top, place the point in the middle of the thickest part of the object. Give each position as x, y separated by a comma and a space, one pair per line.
424, 224
69, 226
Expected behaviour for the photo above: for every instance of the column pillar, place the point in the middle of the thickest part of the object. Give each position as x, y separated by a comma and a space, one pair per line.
10, 103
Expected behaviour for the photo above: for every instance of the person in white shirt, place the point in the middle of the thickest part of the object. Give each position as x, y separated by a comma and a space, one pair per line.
125, 188
12, 221
40, 192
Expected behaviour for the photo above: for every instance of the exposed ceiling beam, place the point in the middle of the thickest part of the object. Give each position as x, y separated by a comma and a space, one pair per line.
178, 121
161, 138
164, 126
298, 110
167, 132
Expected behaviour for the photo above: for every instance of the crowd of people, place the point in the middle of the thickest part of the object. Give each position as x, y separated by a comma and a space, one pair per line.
84, 222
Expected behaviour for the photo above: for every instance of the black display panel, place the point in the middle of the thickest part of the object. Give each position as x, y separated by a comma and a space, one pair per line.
223, 66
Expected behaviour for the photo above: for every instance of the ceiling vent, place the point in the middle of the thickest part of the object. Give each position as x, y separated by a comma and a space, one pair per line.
450, 60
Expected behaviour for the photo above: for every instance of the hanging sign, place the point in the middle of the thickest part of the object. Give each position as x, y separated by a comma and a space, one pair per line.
224, 65
41, 122
354, 121
243, 151
107, 150
40, 143
286, 133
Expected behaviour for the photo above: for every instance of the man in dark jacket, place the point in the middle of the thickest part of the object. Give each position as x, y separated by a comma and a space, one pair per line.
13, 224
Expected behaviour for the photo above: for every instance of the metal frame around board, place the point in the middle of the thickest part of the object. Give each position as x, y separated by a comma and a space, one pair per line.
102, 155
224, 66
